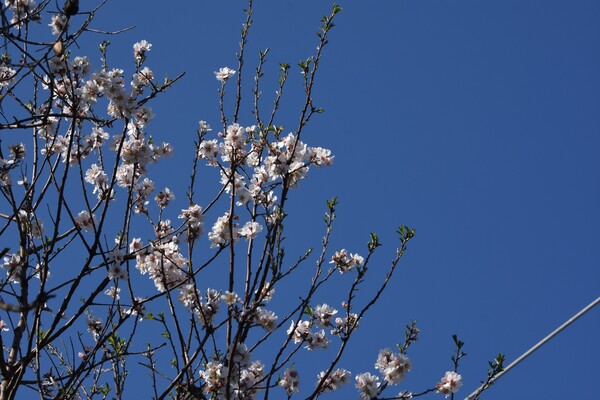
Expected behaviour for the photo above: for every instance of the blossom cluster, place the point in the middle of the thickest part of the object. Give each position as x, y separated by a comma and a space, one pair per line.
221, 232
367, 385
162, 259
23, 10
290, 381
74, 92
244, 376
392, 366
344, 262
335, 380
7, 75
251, 166
301, 333
254, 162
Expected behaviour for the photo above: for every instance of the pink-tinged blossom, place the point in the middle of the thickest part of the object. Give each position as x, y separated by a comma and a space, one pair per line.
209, 308
140, 49
58, 23
204, 126
47, 130
226, 180
253, 157
85, 220
220, 233
188, 296
115, 268
212, 374
12, 263
141, 79
7, 75
117, 271
345, 263
392, 366
241, 355
250, 230
97, 138
320, 156
266, 293
367, 385
346, 324
97, 177
235, 136
3, 327
136, 150
144, 188
164, 198
126, 173
164, 263
142, 116
266, 319
116, 256
164, 230
80, 66
5, 179
209, 149
244, 196
36, 227
88, 94
23, 10
247, 385
300, 332
322, 315
450, 383
334, 381
194, 220
318, 340
138, 308
224, 73
230, 298
136, 245
162, 151
113, 292
94, 325
290, 380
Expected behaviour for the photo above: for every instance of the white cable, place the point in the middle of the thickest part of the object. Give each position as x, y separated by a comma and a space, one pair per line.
534, 348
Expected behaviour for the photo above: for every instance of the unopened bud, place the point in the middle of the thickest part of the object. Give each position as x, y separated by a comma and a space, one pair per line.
71, 7
58, 47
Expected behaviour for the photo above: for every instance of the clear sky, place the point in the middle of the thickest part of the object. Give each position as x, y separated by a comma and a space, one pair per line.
475, 122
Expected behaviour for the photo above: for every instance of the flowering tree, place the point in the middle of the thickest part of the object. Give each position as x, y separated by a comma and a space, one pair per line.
83, 221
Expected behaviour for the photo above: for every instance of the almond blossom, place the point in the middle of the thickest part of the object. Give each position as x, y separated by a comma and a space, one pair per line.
450, 383
224, 73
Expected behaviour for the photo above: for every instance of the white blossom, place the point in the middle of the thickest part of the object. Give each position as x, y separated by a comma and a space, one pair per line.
392, 366
85, 220
140, 48
290, 380
450, 383
250, 230
58, 23
224, 73
336, 379
367, 385
322, 314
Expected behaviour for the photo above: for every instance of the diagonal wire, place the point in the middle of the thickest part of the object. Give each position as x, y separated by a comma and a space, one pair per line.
534, 348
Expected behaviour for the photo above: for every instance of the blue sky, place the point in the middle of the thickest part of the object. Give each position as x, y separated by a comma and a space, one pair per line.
474, 122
